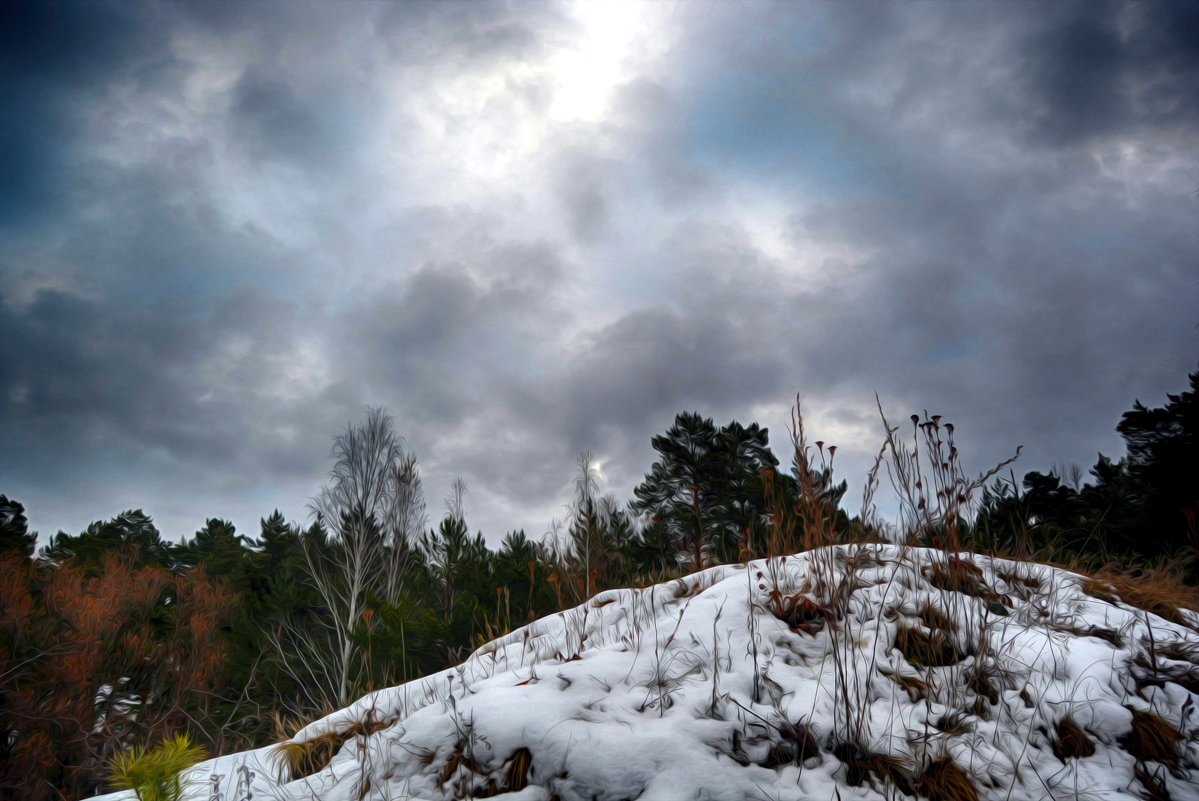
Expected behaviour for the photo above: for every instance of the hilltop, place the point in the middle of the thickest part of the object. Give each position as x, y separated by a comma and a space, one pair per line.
854, 671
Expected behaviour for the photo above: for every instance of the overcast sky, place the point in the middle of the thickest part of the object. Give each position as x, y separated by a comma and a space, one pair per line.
532, 229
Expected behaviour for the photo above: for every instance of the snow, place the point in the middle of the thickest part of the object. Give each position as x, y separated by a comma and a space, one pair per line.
693, 689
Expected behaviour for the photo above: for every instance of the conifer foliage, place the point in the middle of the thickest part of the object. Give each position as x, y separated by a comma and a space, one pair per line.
705, 489
117, 638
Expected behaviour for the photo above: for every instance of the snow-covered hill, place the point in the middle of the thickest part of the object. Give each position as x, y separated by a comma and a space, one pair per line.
853, 672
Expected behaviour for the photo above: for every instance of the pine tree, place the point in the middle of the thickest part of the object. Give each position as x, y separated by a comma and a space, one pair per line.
15, 536
132, 532
702, 490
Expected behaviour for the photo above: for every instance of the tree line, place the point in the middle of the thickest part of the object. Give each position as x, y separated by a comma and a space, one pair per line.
117, 637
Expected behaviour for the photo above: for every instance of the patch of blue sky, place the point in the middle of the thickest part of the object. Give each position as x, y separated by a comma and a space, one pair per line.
773, 120
777, 134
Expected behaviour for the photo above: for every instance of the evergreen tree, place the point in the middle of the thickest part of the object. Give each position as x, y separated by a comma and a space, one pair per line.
221, 550
1163, 463
132, 532
15, 536
522, 576
701, 490
1141, 507
458, 569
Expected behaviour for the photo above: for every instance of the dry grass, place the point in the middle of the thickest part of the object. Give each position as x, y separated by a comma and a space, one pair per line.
927, 648
284, 726
956, 575
1155, 788
959, 575
516, 776
953, 723
1071, 741
935, 619
864, 767
303, 759
1155, 674
800, 741
459, 758
1108, 635
916, 687
1179, 651
943, 780
308, 757
800, 612
1027, 580
1152, 739
981, 680
1162, 589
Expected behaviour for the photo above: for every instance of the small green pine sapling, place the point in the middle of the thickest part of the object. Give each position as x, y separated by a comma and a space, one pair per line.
156, 774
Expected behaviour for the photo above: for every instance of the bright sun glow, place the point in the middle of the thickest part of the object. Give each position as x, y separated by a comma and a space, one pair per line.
589, 68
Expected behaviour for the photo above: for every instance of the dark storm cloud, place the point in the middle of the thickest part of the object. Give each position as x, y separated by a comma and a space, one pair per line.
83, 374
52, 58
1112, 68
1002, 284
226, 228
650, 364
183, 411
436, 339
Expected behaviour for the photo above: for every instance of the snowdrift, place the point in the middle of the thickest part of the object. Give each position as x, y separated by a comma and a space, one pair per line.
849, 672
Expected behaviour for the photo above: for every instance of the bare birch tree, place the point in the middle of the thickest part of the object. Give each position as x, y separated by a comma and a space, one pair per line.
371, 506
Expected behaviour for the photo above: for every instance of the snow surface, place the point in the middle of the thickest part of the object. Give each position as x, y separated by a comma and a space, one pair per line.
696, 689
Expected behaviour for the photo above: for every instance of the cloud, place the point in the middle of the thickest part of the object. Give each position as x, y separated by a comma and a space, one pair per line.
534, 230
60, 59
1116, 68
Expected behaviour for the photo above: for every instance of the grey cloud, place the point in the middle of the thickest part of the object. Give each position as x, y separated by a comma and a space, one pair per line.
586, 207
984, 211
273, 122
434, 341
1112, 67
55, 58
99, 391
465, 34
650, 364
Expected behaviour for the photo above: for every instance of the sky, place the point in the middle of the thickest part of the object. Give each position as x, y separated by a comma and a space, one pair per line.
534, 229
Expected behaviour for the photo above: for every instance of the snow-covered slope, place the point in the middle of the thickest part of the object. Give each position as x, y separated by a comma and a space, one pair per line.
854, 672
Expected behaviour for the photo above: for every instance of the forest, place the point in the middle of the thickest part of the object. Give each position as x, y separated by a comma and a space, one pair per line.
119, 637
